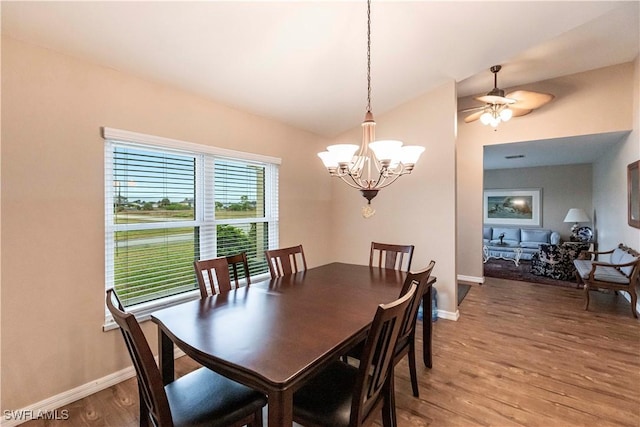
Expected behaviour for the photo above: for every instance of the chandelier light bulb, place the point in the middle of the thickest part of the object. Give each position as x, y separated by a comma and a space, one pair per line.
495, 121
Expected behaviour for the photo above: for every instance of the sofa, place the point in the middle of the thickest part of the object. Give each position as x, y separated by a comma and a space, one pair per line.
515, 243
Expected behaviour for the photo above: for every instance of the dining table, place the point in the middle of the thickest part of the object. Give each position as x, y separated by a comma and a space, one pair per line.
275, 334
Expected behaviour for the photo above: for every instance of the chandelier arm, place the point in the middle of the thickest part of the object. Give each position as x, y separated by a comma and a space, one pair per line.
381, 180
386, 183
342, 177
356, 183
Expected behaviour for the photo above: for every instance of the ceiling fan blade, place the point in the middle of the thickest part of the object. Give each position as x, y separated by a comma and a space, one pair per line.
467, 110
473, 117
530, 100
493, 99
517, 111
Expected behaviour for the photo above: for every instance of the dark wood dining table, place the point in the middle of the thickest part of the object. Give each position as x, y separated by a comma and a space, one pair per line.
273, 335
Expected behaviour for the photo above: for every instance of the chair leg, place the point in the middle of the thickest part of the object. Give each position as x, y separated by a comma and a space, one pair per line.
586, 296
389, 405
413, 371
634, 300
256, 421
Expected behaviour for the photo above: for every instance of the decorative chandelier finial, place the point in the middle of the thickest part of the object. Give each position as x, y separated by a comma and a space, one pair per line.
377, 164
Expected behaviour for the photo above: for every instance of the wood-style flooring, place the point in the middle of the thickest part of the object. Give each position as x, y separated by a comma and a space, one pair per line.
521, 354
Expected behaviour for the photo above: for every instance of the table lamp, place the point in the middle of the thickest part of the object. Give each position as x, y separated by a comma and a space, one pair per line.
576, 215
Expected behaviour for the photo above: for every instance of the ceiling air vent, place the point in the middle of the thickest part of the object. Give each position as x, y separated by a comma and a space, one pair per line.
515, 156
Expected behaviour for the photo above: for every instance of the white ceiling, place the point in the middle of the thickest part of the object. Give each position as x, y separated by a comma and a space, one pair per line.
550, 152
304, 62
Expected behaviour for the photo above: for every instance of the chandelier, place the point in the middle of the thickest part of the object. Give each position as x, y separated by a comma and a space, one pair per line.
374, 164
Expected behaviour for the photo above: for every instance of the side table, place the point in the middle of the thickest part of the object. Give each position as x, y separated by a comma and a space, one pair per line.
593, 246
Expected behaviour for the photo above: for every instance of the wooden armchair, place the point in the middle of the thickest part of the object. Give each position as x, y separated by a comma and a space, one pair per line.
620, 274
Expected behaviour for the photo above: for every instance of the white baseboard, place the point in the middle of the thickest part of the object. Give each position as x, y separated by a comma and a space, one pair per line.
472, 279
449, 315
17, 417
48, 406
627, 296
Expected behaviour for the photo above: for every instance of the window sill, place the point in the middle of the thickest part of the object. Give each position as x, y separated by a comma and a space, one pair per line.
143, 311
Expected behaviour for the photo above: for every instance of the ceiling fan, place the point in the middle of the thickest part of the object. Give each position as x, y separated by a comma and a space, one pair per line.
500, 108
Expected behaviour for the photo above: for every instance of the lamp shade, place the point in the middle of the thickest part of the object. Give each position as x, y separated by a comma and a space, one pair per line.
342, 153
386, 150
329, 159
576, 215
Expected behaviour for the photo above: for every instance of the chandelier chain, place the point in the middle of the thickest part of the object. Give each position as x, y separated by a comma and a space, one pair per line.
368, 55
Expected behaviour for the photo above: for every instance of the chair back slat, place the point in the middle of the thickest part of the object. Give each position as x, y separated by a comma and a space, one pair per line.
234, 261
153, 403
217, 276
391, 256
286, 261
376, 363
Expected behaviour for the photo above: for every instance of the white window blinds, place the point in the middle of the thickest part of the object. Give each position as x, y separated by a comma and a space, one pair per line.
168, 203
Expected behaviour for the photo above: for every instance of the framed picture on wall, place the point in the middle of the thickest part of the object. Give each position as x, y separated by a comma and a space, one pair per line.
513, 207
633, 193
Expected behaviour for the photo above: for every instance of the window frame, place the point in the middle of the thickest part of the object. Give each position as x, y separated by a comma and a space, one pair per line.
202, 217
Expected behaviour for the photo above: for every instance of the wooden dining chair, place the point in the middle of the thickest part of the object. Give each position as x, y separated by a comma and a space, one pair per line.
286, 261
200, 398
364, 390
406, 341
393, 255
213, 276
239, 260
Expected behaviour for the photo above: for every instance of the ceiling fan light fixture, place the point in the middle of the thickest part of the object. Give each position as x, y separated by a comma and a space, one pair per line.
506, 114
486, 117
497, 105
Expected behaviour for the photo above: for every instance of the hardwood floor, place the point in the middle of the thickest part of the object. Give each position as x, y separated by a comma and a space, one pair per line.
520, 355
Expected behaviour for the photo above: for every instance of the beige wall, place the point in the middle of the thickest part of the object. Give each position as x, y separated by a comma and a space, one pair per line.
592, 102
52, 194
610, 183
563, 188
417, 209
52, 268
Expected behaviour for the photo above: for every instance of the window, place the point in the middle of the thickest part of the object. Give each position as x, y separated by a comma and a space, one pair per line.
168, 203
